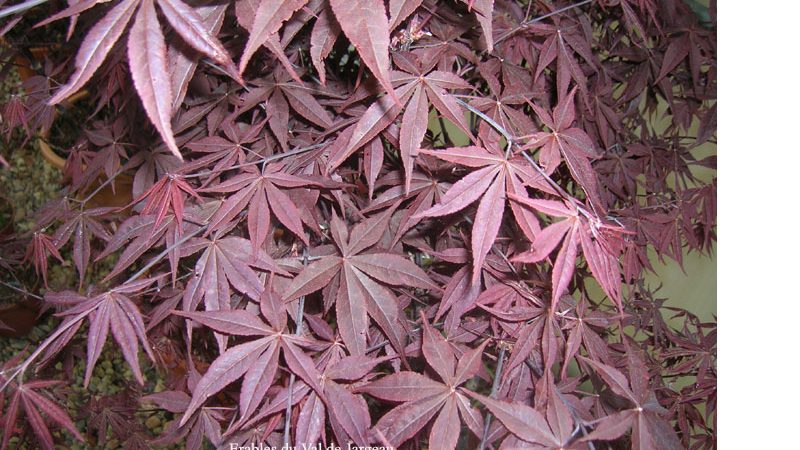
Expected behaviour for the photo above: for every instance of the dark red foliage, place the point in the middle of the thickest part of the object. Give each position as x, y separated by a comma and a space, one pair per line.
385, 214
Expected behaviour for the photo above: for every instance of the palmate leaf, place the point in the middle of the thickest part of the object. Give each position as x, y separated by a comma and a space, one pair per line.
348, 410
39, 250
36, 405
374, 120
261, 193
225, 262
227, 150
423, 397
114, 311
415, 118
204, 422
581, 333
489, 245
529, 321
256, 360
497, 176
571, 143
361, 278
510, 90
601, 254
422, 193
563, 41
284, 95
553, 430
645, 417
524, 421
166, 195
138, 234
81, 227
416, 88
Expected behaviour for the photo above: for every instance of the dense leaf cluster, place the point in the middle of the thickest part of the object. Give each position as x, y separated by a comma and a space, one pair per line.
409, 223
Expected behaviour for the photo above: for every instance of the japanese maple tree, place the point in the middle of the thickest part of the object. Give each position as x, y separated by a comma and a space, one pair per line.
400, 223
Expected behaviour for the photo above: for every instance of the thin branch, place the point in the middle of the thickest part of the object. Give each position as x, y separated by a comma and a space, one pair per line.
108, 181
581, 426
264, 160
21, 291
488, 119
495, 387
511, 139
514, 140
528, 23
164, 253
445, 134
298, 321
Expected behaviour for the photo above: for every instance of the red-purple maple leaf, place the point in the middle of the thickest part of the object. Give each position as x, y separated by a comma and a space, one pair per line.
599, 242
569, 142
37, 406
204, 422
531, 428
40, 248
423, 191
256, 360
225, 151
423, 397
348, 411
165, 196
112, 311
417, 86
645, 416
360, 277
81, 226
139, 233
261, 192
225, 262
496, 176
280, 93
564, 39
